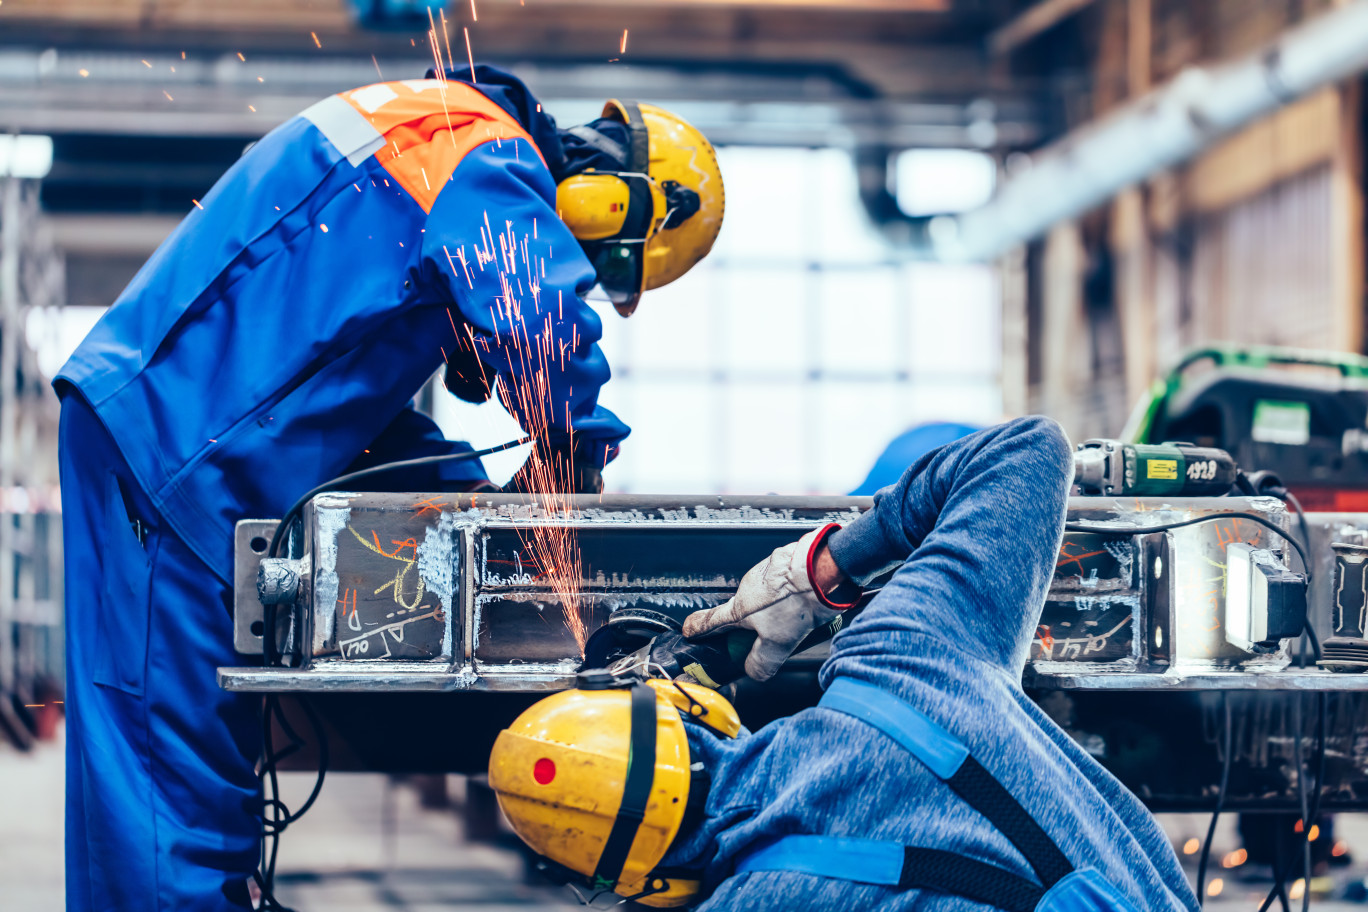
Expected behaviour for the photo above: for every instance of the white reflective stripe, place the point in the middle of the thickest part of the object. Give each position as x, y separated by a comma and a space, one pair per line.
422, 85
346, 128
374, 97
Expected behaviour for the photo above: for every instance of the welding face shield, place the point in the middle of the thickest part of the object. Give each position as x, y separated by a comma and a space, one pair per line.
645, 220
569, 778
614, 214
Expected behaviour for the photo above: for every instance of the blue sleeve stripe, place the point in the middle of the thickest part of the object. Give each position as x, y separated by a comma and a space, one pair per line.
941, 751
870, 861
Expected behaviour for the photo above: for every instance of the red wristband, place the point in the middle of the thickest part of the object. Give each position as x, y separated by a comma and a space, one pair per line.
846, 590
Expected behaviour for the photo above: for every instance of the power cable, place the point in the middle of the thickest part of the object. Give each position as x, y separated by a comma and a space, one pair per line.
292, 513
275, 816
1310, 810
282, 532
1310, 637
1226, 752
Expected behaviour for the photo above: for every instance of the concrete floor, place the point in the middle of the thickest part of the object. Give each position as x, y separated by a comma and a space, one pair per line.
368, 846
365, 846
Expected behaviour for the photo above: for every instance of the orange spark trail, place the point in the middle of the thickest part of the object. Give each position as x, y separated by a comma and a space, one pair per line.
447, 38
530, 357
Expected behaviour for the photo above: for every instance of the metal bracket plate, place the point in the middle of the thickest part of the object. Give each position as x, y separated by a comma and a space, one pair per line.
251, 537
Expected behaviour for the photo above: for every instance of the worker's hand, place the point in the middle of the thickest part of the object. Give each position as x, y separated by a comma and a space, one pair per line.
777, 600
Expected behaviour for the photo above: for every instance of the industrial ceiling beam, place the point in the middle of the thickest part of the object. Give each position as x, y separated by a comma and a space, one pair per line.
1162, 129
1031, 22
160, 94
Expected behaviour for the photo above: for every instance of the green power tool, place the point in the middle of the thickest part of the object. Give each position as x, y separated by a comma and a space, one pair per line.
1111, 467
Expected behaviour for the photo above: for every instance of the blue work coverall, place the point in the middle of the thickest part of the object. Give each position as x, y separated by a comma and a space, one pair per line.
979, 523
277, 336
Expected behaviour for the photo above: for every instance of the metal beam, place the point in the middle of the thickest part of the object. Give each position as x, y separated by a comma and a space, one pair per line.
110, 234
219, 95
1031, 22
1162, 129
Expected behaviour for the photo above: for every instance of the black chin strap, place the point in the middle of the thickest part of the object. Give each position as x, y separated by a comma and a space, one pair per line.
636, 791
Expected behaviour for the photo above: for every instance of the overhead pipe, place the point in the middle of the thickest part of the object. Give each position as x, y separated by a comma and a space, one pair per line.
1157, 131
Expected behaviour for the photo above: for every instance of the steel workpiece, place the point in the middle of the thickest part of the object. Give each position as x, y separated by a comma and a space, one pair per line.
417, 592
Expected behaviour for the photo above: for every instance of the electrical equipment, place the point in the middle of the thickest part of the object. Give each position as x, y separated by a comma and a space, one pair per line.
1112, 467
1265, 601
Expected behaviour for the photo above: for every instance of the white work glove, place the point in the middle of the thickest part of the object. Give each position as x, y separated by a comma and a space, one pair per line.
776, 600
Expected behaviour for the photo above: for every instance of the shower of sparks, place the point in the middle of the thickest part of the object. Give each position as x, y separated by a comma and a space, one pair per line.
317, 43
84, 73
240, 57
474, 16
377, 68
537, 341
146, 64
446, 38
623, 48
168, 95
469, 56
252, 108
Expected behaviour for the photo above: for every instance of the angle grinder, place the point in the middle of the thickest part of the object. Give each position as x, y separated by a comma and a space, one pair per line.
654, 640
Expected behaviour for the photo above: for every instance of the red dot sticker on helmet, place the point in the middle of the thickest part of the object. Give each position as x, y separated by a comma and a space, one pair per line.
544, 770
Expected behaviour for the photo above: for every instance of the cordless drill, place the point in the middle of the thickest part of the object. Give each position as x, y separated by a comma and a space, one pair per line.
1111, 467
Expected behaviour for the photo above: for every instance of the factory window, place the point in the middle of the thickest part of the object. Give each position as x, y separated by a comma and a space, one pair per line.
788, 359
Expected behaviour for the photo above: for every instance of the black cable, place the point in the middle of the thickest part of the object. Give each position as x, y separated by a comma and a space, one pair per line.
272, 806
1303, 804
1098, 528
1311, 637
1279, 889
293, 512
1317, 776
269, 651
276, 816
1310, 809
1226, 739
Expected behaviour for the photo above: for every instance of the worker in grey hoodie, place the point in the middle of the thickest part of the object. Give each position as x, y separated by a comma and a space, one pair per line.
924, 779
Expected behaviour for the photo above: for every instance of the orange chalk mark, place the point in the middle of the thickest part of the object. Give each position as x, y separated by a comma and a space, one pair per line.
432, 503
406, 543
1065, 558
348, 594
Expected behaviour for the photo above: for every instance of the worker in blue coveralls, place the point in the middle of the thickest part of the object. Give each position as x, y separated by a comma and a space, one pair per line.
924, 779
275, 341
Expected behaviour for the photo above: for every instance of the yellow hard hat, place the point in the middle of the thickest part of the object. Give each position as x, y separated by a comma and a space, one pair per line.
647, 225
566, 778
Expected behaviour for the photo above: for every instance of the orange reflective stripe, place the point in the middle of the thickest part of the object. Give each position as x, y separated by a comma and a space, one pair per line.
429, 127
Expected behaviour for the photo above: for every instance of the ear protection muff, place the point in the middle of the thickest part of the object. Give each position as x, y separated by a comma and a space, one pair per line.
614, 213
